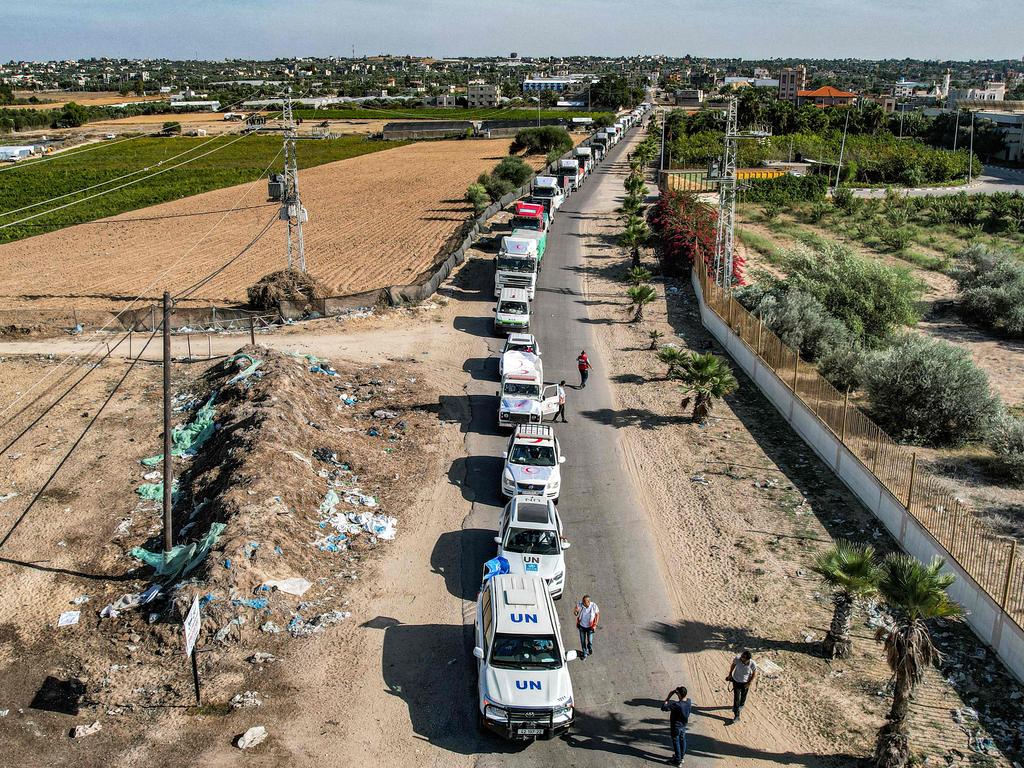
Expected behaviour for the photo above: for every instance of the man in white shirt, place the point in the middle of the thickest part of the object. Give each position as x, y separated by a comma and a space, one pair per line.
587, 616
741, 675
561, 403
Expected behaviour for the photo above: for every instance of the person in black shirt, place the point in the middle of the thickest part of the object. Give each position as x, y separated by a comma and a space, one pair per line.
678, 718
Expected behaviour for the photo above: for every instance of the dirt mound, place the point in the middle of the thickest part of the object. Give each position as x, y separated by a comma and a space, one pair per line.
285, 285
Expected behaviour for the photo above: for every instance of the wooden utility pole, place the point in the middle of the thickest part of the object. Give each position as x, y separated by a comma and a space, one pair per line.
168, 468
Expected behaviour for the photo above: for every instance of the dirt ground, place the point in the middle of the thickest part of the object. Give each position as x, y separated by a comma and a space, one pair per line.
57, 99
744, 505
375, 220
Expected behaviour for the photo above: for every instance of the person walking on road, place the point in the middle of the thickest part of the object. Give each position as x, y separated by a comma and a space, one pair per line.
678, 718
584, 366
587, 616
561, 403
741, 675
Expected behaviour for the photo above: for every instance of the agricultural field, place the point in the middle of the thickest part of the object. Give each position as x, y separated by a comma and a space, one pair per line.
439, 113
214, 162
57, 99
374, 220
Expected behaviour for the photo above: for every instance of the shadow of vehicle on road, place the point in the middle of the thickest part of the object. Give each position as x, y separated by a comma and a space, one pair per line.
458, 556
479, 478
475, 326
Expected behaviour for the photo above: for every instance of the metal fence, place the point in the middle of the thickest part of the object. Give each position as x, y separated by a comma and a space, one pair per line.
995, 562
698, 181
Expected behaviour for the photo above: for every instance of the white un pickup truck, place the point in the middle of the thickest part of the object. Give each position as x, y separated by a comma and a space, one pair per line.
532, 462
530, 539
523, 684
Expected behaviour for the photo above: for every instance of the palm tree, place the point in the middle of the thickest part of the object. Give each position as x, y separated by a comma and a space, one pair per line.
632, 205
654, 334
852, 572
706, 377
675, 358
639, 297
638, 275
635, 236
917, 592
635, 185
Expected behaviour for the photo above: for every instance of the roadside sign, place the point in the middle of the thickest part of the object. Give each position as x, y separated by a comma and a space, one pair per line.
191, 626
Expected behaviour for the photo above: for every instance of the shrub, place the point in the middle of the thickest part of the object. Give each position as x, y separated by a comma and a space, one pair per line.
785, 190
841, 366
797, 318
991, 287
496, 188
638, 275
171, 127
542, 140
771, 211
895, 239
477, 195
1007, 442
685, 227
870, 298
514, 170
843, 199
927, 391
817, 212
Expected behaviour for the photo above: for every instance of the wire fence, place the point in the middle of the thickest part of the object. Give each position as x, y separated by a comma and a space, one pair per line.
698, 181
995, 562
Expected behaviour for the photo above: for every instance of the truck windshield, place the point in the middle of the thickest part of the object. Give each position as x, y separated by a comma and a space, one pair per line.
527, 222
513, 264
521, 390
512, 308
532, 541
543, 192
525, 652
533, 455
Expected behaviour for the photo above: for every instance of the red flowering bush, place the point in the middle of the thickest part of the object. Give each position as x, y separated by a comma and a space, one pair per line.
685, 227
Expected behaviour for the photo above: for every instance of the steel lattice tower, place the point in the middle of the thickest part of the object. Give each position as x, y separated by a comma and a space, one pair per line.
725, 236
291, 206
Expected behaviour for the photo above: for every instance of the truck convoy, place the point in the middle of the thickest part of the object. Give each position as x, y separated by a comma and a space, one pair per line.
516, 265
524, 688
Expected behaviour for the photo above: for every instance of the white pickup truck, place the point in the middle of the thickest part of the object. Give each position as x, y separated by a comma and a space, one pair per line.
521, 351
524, 398
523, 684
516, 265
531, 541
533, 462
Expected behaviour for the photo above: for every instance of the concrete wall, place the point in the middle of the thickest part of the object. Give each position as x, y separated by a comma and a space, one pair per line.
984, 615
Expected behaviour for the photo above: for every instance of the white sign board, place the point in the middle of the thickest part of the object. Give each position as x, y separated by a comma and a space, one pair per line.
191, 626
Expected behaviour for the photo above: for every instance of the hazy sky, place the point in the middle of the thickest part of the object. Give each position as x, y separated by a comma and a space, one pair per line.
214, 29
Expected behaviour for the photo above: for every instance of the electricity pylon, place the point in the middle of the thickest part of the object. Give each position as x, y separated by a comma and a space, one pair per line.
291, 205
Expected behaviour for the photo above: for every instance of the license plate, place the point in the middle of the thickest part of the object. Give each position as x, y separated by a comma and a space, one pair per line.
531, 731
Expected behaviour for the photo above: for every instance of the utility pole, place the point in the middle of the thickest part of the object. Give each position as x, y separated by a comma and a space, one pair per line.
970, 153
661, 161
291, 207
956, 129
168, 465
842, 149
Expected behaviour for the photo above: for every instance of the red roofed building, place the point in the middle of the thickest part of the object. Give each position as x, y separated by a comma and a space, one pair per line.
826, 96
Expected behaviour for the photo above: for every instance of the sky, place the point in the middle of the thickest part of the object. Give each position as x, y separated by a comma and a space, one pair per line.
260, 29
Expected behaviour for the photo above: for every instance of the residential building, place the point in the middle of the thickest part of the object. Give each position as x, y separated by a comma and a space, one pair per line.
905, 89
751, 82
990, 92
792, 80
481, 95
537, 84
444, 100
887, 103
689, 97
826, 96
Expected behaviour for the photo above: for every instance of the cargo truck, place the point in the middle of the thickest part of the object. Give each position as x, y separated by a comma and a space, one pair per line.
586, 158
516, 265
548, 188
569, 175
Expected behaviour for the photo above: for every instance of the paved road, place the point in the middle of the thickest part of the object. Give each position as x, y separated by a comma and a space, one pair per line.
613, 556
993, 179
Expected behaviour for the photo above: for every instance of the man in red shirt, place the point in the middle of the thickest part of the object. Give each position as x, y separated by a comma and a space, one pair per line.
584, 366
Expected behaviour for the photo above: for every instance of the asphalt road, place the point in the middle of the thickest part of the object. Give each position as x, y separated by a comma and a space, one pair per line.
613, 555
993, 179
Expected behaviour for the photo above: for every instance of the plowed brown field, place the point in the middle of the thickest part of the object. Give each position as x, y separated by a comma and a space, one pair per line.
375, 220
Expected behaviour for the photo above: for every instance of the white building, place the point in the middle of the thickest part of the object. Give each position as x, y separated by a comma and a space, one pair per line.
537, 84
991, 92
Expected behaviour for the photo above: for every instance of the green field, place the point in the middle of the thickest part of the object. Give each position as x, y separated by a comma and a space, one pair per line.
438, 113
244, 160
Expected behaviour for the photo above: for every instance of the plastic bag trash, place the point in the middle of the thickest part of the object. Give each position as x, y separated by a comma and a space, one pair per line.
189, 438
495, 567
270, 628
153, 476
8, 496
261, 657
86, 730
294, 586
80, 599
258, 603
331, 617
254, 736
183, 558
699, 478
248, 371
331, 500
68, 618
359, 499
152, 491
769, 668
223, 632
76, 330
373, 432
327, 371
349, 400
245, 700
381, 413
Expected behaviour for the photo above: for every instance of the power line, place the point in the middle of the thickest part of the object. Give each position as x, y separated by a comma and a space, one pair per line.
185, 293
75, 445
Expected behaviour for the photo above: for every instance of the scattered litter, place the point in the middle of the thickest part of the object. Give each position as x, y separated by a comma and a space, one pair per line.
86, 730
4, 712
299, 627
809, 638
358, 498
381, 526
699, 478
246, 700
251, 738
68, 618
965, 715
80, 599
262, 657
270, 628
300, 457
327, 371
294, 586
331, 617
8, 496
247, 370
331, 500
373, 432
183, 558
153, 476
225, 631
188, 438
381, 413
769, 668
257, 603
349, 400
